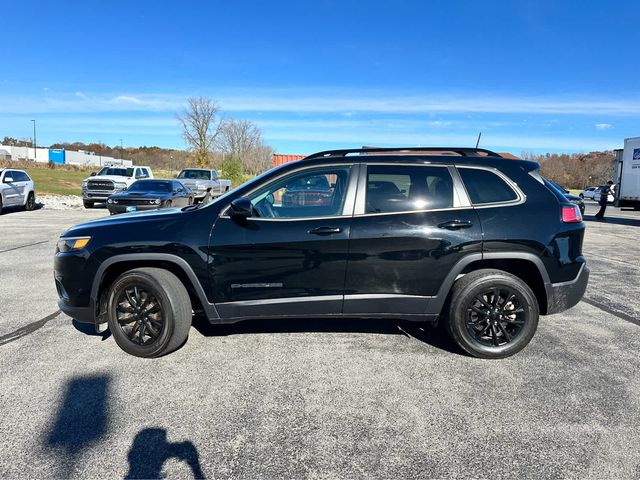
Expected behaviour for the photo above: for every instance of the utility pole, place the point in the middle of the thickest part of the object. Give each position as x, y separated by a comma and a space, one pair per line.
121, 151
34, 141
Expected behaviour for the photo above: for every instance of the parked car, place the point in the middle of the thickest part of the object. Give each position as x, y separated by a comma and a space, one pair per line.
610, 198
588, 192
478, 242
204, 183
575, 199
308, 191
109, 180
16, 189
150, 195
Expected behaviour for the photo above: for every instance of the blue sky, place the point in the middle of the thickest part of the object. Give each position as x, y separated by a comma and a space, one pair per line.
532, 76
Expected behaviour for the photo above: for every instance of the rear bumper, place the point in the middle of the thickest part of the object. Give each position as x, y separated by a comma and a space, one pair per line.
563, 296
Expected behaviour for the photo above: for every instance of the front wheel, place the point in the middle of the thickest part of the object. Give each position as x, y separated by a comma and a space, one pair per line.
87, 204
581, 196
149, 312
492, 314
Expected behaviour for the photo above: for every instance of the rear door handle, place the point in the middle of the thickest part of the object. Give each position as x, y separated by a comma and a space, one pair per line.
455, 224
325, 230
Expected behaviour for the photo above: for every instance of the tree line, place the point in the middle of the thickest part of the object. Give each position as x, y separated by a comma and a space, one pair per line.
575, 170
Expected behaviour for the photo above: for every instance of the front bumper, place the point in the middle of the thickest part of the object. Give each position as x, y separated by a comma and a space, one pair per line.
81, 314
563, 296
117, 208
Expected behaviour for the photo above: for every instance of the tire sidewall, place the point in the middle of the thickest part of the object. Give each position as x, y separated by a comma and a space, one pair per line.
458, 317
144, 280
31, 200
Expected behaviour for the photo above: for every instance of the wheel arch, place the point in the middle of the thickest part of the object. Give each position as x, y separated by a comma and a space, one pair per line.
113, 267
526, 266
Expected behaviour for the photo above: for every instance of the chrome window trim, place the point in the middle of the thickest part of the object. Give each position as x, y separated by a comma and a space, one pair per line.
513, 185
460, 198
350, 194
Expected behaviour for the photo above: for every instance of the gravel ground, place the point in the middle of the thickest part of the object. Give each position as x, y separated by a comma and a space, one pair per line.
318, 399
60, 202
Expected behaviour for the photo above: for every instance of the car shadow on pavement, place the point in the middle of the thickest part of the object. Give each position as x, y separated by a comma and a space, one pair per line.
80, 422
150, 450
631, 222
419, 331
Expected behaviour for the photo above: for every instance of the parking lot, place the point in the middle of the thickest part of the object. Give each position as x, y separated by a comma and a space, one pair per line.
318, 399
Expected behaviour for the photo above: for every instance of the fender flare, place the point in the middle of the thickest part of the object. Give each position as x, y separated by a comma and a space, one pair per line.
210, 309
436, 304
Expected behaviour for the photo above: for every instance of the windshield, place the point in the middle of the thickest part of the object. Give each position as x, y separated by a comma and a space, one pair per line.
120, 172
150, 186
195, 174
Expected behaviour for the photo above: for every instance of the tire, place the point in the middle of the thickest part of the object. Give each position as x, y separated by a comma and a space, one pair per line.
31, 202
87, 204
0, 204
468, 316
581, 196
171, 319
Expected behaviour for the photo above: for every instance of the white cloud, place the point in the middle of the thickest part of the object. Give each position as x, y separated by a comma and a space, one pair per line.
603, 126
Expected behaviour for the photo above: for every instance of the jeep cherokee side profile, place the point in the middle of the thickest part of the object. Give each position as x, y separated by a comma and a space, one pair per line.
456, 235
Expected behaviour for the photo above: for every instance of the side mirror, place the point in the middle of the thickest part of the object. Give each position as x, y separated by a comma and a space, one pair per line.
241, 208
93, 174
8, 179
180, 190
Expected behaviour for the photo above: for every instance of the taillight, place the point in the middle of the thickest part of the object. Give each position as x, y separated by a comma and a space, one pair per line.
571, 214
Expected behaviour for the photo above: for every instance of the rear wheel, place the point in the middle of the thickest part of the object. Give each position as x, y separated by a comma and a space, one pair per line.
31, 202
492, 314
149, 312
581, 196
87, 204
0, 204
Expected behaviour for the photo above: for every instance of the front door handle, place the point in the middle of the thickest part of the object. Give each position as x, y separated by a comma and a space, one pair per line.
455, 224
325, 230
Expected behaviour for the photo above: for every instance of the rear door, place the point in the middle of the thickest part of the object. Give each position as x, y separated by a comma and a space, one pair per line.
412, 224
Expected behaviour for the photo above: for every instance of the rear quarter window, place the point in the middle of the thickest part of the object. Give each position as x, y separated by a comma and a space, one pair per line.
484, 186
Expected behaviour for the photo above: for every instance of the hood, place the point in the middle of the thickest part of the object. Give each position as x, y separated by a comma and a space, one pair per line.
572, 197
115, 178
88, 228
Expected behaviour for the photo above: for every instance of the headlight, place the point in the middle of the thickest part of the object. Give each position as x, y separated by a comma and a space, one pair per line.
84, 184
120, 186
157, 201
71, 244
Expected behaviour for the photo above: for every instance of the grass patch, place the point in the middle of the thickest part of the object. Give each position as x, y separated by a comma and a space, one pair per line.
51, 181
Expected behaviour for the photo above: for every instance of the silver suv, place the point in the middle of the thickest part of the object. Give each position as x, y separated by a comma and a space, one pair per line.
16, 189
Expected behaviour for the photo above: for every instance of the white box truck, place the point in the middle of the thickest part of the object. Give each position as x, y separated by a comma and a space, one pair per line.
626, 174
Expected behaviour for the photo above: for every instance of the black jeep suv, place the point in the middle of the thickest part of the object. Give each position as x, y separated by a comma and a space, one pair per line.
459, 235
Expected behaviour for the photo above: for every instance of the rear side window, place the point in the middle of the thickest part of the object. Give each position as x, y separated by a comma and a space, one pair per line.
401, 188
484, 186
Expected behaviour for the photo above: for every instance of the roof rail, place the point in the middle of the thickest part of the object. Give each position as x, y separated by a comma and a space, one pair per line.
462, 151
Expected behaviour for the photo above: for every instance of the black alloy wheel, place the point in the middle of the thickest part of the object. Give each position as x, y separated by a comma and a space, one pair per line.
496, 316
492, 313
139, 315
149, 312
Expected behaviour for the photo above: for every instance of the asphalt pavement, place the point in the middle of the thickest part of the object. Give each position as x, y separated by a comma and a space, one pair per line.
318, 399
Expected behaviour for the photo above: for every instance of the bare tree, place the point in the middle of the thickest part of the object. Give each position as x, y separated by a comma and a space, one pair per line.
199, 128
242, 140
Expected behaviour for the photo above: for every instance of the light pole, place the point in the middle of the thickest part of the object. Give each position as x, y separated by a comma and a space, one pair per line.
34, 140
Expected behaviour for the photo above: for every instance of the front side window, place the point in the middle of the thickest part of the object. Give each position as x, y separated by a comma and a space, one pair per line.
484, 186
402, 188
311, 193
195, 175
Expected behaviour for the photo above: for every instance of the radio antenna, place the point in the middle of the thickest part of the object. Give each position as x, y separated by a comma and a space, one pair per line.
478, 141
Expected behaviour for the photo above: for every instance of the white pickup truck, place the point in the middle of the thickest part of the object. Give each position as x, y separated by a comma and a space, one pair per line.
204, 183
109, 180
626, 174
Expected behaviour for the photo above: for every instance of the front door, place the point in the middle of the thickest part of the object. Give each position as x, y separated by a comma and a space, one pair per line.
290, 257
411, 225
